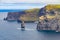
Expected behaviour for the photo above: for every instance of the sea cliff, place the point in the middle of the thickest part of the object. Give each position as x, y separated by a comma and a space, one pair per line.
32, 14
26, 15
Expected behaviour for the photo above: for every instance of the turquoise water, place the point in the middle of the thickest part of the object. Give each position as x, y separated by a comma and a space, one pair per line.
12, 31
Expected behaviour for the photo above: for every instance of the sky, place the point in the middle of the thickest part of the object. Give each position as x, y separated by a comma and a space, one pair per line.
29, 1
21, 6
25, 4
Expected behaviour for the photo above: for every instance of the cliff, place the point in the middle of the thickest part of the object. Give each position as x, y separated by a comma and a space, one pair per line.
14, 15
33, 14
26, 15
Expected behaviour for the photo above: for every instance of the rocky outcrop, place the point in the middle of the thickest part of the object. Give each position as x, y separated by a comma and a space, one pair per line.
14, 15
50, 21
26, 15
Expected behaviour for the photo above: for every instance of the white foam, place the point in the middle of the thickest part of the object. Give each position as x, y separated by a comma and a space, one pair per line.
18, 28
57, 31
26, 29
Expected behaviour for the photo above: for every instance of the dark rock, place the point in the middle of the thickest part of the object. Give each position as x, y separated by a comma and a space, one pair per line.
42, 11
14, 15
19, 21
5, 18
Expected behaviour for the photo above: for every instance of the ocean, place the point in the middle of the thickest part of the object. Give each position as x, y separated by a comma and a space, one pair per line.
12, 31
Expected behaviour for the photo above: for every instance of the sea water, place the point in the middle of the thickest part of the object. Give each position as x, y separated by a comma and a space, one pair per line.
12, 31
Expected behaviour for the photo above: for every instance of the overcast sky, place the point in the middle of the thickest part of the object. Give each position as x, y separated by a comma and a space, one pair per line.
30, 1
26, 4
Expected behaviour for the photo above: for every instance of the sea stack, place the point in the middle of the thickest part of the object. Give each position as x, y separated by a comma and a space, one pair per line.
22, 25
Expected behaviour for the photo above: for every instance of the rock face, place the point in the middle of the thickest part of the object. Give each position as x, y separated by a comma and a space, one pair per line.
26, 15
31, 15
50, 21
14, 15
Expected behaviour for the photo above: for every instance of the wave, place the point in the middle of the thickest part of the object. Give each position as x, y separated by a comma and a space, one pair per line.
27, 29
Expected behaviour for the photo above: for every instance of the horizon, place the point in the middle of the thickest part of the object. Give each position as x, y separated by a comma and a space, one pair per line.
11, 7
25, 4
21, 5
